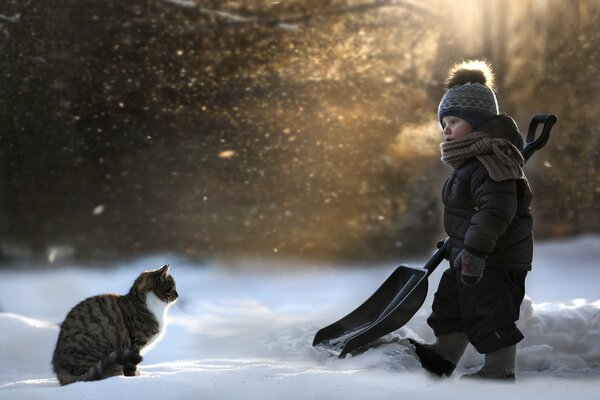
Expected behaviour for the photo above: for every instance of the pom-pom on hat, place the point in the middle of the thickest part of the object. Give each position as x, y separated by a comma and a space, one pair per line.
470, 94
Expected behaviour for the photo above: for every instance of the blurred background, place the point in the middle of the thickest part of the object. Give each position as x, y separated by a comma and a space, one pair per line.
304, 129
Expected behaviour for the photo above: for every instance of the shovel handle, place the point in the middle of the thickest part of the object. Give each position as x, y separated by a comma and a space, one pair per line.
534, 143
437, 257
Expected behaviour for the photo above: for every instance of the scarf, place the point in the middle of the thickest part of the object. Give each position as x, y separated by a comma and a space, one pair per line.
500, 157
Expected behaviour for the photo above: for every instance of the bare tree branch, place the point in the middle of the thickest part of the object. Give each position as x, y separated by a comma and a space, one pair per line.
293, 21
14, 19
183, 3
358, 8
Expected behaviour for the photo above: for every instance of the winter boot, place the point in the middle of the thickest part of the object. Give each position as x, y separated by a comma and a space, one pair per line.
499, 365
441, 357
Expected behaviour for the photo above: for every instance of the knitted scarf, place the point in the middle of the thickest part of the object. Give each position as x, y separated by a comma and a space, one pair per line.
500, 157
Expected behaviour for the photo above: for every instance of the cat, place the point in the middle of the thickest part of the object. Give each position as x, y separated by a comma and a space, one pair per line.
106, 335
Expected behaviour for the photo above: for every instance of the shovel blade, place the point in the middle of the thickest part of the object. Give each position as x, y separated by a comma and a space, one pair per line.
392, 305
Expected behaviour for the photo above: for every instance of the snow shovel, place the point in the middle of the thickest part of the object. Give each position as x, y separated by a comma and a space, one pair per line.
403, 293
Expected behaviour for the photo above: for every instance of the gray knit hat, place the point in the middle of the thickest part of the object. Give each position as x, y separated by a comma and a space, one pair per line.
470, 93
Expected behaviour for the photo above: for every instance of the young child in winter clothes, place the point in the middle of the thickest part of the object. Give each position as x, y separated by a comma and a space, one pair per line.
488, 220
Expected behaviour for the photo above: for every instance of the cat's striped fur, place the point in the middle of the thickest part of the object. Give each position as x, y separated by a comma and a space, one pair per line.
105, 335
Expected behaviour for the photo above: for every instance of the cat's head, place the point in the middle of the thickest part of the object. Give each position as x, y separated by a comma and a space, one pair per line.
158, 281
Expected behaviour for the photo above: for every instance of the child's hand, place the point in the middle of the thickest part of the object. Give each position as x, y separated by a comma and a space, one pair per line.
471, 267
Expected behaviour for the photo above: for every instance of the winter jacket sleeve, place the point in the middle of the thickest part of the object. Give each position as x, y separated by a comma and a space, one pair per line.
495, 208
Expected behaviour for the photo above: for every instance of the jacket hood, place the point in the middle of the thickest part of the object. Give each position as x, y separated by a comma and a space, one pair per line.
503, 127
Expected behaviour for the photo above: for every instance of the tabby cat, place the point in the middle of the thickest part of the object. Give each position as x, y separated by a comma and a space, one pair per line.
105, 335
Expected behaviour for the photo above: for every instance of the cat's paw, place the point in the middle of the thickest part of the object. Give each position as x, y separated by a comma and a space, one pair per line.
131, 372
135, 358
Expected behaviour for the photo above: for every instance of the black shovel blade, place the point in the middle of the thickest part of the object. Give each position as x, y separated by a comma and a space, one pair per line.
389, 308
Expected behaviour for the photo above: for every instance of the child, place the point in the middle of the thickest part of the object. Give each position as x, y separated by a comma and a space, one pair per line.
488, 220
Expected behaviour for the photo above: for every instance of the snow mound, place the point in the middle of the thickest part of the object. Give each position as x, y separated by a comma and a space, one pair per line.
27, 344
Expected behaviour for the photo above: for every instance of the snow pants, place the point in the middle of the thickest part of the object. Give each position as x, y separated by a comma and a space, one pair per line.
486, 312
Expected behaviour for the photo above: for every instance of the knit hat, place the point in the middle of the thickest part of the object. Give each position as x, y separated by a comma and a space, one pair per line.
470, 94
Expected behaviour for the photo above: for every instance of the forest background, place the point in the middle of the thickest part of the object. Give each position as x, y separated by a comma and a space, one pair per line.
253, 128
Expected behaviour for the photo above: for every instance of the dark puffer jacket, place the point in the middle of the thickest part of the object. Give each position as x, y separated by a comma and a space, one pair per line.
488, 217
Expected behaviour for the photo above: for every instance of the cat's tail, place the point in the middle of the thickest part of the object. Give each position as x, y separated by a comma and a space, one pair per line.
115, 363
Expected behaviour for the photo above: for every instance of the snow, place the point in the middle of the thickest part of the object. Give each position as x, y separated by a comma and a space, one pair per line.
243, 330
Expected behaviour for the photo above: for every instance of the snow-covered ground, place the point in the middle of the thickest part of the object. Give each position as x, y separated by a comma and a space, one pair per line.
244, 331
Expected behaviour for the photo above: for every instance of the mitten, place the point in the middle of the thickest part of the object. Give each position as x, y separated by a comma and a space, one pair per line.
471, 267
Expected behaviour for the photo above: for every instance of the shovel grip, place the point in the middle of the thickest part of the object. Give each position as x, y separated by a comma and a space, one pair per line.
534, 143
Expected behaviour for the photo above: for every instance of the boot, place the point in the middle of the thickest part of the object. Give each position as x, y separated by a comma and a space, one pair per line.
499, 365
440, 358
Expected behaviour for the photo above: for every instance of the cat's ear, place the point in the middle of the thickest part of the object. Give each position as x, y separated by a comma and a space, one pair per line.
164, 271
